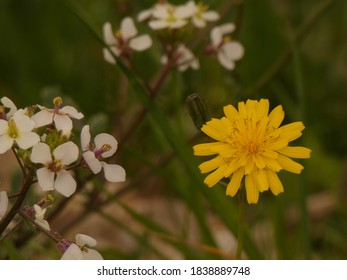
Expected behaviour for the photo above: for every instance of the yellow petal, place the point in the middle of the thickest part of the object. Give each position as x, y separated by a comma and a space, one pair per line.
230, 112
275, 184
277, 145
291, 131
289, 164
215, 176
249, 166
296, 152
258, 160
272, 164
212, 164
251, 106
251, 190
242, 109
235, 182
233, 165
269, 153
215, 129
276, 117
263, 108
261, 180
205, 149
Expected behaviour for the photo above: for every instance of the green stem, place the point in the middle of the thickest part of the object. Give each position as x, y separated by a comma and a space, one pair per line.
241, 201
48, 233
299, 83
18, 203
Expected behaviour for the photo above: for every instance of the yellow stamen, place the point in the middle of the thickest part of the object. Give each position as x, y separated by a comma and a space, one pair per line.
12, 130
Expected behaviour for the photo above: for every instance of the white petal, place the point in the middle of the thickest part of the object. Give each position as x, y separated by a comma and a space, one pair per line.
44, 224
113, 172
227, 28
85, 138
104, 138
91, 254
23, 122
225, 61
158, 24
198, 22
83, 239
211, 16
164, 59
141, 43
63, 123
72, 253
9, 104
6, 143
93, 163
41, 153
39, 212
45, 178
127, 28
65, 183
183, 67
233, 50
178, 24
42, 118
27, 140
67, 153
145, 14
108, 56
160, 12
216, 36
3, 203
195, 64
109, 37
3, 126
71, 111
184, 11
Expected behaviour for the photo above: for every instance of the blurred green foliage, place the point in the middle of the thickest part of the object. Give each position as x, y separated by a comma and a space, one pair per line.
46, 50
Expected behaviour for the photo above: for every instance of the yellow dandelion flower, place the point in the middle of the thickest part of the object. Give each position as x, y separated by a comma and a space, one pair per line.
251, 145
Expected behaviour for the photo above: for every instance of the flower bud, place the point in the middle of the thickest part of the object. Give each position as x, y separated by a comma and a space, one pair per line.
197, 109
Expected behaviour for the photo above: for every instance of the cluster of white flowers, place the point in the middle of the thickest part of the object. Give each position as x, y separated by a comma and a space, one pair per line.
81, 249
167, 18
43, 140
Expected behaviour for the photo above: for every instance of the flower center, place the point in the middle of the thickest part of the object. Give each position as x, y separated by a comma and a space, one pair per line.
84, 248
252, 147
12, 130
105, 148
55, 166
171, 17
201, 9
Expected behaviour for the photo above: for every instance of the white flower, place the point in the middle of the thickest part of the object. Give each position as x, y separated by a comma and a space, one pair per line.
104, 146
82, 249
7, 104
201, 14
146, 14
227, 51
60, 116
3, 204
184, 59
18, 129
124, 40
53, 175
170, 16
40, 217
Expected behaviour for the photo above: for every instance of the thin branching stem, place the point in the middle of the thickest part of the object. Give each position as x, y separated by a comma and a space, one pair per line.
28, 180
